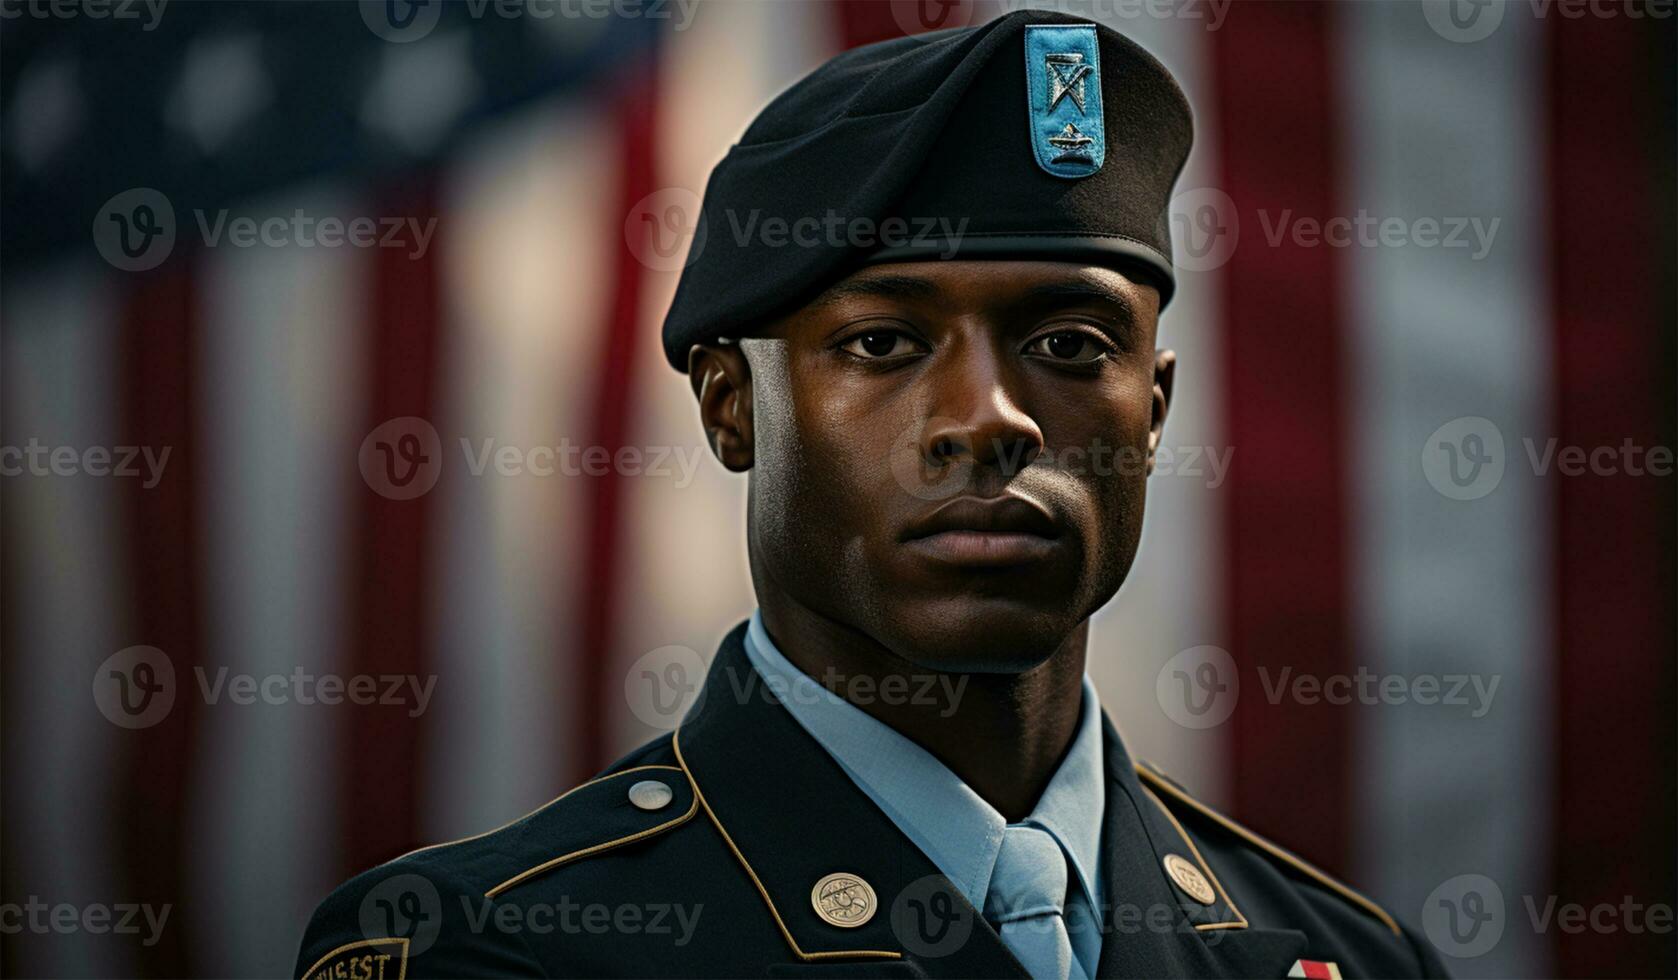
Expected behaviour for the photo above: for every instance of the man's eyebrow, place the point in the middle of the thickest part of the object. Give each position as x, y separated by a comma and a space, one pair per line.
1079, 291
878, 286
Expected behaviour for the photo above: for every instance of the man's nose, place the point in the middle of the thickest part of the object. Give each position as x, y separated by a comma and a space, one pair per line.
979, 417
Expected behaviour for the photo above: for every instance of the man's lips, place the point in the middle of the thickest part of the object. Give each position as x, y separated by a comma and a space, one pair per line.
994, 532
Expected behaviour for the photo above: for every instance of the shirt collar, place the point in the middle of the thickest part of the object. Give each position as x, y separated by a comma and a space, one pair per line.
951, 824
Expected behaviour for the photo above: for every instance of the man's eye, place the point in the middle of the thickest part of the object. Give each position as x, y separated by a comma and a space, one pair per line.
1073, 346
878, 344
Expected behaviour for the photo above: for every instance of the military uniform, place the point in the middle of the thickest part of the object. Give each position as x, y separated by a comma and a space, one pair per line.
711, 871
738, 846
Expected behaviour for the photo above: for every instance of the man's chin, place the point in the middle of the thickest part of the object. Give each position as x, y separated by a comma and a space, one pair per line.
971, 634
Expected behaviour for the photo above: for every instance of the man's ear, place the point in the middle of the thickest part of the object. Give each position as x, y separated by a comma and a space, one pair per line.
722, 382
1165, 369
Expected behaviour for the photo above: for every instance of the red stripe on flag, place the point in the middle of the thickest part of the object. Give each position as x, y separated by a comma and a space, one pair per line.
1611, 195
866, 21
597, 604
380, 794
152, 783
1287, 540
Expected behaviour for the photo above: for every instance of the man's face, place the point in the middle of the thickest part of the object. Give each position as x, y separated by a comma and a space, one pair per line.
950, 457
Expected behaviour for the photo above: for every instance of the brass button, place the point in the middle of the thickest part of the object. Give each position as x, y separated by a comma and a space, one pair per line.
1189, 879
843, 900
650, 794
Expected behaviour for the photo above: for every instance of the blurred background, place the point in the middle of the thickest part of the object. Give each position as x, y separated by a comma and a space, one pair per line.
348, 503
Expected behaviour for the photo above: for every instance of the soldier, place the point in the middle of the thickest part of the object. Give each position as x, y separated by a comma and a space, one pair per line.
947, 395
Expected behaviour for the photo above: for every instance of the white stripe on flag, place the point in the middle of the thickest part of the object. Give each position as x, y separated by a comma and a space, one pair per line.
528, 241
1442, 130
699, 508
280, 370
61, 342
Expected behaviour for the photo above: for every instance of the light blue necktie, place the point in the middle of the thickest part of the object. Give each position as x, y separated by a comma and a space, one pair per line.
1026, 902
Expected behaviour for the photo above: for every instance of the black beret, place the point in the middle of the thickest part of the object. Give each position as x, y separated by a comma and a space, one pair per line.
1036, 135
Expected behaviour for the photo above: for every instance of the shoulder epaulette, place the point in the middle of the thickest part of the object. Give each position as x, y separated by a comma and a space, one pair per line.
1176, 794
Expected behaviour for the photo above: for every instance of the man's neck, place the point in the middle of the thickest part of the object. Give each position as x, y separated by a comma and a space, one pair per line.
1004, 735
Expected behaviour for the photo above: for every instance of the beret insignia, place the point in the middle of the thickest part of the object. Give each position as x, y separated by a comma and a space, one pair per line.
1063, 99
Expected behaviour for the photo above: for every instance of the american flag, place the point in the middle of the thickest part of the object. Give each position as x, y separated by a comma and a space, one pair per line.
1407, 230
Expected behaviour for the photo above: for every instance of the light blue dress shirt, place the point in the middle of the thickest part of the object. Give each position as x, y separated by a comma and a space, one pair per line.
956, 829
